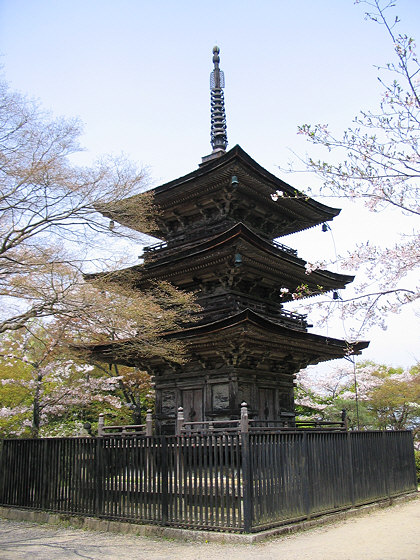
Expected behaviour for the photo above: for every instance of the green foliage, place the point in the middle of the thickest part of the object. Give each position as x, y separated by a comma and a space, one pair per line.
386, 398
42, 391
358, 414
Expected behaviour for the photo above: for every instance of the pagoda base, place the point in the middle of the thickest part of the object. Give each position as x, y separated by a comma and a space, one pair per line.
242, 358
217, 394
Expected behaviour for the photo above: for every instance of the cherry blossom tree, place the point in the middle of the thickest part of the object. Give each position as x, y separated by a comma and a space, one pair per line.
376, 162
315, 397
51, 231
54, 353
392, 395
129, 322
135, 390
39, 384
375, 396
118, 327
49, 215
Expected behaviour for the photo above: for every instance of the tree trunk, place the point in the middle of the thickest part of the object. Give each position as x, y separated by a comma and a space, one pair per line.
137, 415
36, 411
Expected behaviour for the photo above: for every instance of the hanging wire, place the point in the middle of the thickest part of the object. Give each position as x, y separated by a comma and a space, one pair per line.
351, 359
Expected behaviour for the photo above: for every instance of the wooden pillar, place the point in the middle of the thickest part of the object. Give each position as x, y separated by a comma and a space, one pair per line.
101, 423
179, 421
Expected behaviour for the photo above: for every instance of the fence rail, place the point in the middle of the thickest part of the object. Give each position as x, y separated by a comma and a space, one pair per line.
209, 427
245, 424
233, 481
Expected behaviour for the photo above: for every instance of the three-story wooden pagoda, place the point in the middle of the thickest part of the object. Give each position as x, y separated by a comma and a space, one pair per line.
219, 227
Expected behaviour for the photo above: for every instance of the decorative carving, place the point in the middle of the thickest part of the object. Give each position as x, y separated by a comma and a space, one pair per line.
220, 396
168, 402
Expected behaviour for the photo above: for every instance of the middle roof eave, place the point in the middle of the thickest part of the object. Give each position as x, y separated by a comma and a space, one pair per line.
242, 232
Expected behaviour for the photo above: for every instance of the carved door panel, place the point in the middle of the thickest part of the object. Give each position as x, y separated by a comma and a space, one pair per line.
192, 402
266, 405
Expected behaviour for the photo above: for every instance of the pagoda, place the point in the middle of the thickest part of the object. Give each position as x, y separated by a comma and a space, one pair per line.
219, 228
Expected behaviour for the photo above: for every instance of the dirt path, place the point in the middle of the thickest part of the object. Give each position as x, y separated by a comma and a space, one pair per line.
387, 534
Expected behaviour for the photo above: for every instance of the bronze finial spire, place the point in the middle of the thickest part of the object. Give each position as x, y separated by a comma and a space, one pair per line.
218, 115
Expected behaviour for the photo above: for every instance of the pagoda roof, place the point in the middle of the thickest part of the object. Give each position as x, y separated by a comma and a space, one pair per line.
250, 317
253, 332
292, 212
273, 264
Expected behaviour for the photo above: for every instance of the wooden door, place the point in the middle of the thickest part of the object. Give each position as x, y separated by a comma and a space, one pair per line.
192, 403
266, 405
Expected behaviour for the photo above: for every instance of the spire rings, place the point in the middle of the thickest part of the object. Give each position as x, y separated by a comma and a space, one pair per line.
217, 105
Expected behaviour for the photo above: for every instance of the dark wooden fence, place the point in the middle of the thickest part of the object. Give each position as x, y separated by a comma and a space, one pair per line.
234, 481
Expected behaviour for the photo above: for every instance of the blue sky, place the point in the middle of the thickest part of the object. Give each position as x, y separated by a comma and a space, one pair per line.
136, 72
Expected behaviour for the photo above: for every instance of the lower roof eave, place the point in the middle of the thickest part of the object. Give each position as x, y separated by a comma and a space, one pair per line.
247, 325
250, 317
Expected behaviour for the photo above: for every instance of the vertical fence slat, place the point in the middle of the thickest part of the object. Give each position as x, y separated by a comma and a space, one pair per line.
247, 482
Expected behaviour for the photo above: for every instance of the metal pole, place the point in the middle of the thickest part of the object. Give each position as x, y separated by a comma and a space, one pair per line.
356, 393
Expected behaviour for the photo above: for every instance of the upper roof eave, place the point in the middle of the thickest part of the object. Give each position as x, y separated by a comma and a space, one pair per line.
239, 153
321, 212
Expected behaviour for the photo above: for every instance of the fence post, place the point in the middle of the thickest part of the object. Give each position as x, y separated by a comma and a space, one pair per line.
45, 478
244, 418
413, 458
101, 423
164, 478
306, 478
351, 470
179, 421
386, 465
246, 469
98, 470
149, 423
99, 494
3, 471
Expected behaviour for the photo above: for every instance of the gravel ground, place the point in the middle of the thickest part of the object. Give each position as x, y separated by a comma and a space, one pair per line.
387, 534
